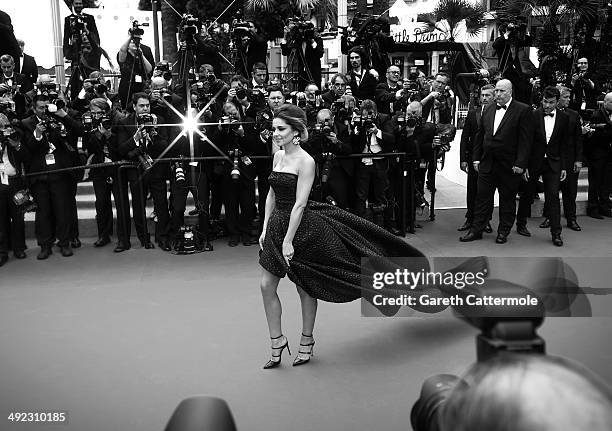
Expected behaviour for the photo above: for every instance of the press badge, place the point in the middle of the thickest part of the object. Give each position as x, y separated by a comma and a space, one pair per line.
50, 159
3, 176
194, 164
137, 78
583, 106
423, 164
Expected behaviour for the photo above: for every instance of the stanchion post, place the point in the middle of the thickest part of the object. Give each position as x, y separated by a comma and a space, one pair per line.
411, 192
402, 225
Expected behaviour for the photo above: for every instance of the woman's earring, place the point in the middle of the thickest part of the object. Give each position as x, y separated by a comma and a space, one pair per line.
296, 140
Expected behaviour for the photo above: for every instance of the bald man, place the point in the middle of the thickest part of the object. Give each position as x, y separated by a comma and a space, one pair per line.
501, 154
599, 156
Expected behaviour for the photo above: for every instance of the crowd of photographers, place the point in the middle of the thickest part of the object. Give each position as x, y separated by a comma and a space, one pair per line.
170, 130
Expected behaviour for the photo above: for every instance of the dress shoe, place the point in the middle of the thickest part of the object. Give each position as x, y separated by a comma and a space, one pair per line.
556, 239
101, 242
488, 228
471, 236
20, 254
207, 246
595, 214
66, 251
501, 238
45, 252
545, 224
164, 245
464, 226
233, 242
573, 225
522, 230
3, 260
251, 240
121, 247
148, 245
75, 243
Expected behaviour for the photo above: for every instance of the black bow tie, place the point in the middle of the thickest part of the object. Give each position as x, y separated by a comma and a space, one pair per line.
549, 115
500, 107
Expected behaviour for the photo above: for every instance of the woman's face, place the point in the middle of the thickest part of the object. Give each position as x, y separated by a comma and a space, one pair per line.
282, 133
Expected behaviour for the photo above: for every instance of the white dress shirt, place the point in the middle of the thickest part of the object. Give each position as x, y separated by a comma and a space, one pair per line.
549, 125
6, 168
499, 115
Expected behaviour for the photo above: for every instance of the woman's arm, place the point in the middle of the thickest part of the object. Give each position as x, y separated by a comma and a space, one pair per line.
306, 176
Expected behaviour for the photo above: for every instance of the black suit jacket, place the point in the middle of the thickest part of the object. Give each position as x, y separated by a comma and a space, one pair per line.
511, 144
468, 135
27, 66
555, 152
367, 86
63, 153
8, 42
387, 143
90, 22
20, 79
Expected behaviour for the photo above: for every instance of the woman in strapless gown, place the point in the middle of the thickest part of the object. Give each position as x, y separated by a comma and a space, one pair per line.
319, 246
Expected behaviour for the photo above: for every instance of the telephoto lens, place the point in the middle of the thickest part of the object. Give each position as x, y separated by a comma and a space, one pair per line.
235, 174
179, 173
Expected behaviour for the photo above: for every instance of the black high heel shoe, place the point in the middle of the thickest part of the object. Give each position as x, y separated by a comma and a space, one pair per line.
272, 363
310, 352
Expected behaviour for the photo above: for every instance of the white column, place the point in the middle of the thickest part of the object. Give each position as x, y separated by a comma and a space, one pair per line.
58, 49
435, 62
343, 22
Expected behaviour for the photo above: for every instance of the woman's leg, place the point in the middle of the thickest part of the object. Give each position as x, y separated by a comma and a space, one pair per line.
272, 305
309, 313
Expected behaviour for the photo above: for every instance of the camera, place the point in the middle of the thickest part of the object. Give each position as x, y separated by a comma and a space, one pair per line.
324, 127
235, 172
368, 121
189, 27
7, 105
77, 24
136, 32
240, 29
92, 121
149, 121
96, 86
8, 133
241, 93
161, 94
411, 120
301, 31
179, 173
24, 201
263, 121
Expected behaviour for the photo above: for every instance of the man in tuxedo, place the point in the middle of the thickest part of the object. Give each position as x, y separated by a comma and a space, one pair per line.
468, 136
138, 138
437, 105
501, 153
549, 153
389, 94
11, 81
569, 187
362, 81
599, 156
27, 64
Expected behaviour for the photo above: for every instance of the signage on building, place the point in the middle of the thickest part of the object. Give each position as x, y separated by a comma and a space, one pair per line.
416, 32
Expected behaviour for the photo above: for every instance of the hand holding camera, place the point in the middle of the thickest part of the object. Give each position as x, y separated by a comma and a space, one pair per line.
140, 134
39, 130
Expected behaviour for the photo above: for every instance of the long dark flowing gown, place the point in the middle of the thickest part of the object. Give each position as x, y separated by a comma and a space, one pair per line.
328, 245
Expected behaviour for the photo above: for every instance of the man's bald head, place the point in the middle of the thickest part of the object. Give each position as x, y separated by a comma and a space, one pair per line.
608, 102
414, 108
503, 91
324, 114
44, 79
158, 82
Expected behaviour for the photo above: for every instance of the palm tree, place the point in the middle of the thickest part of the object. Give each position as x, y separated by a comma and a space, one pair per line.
448, 14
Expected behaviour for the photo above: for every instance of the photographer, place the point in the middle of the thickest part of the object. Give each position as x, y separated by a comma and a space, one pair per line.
77, 25
13, 85
241, 96
96, 87
12, 155
414, 137
140, 140
362, 81
207, 50
263, 145
47, 133
372, 133
330, 138
135, 64
237, 142
438, 104
337, 89
304, 48
258, 85
391, 96
101, 145
251, 47
584, 91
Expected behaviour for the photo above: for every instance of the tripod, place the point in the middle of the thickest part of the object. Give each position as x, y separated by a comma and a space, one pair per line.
78, 74
293, 62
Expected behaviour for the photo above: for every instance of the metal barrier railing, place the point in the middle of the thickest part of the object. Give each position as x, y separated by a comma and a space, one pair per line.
405, 173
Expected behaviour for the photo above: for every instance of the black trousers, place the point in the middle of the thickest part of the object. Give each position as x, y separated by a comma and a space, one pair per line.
507, 185
216, 189
376, 176
472, 187
239, 201
600, 172
12, 225
339, 187
52, 195
552, 184
103, 189
263, 169
196, 182
72, 208
569, 192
